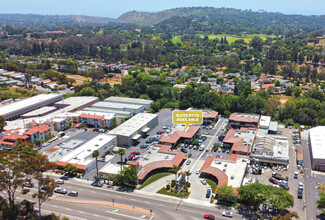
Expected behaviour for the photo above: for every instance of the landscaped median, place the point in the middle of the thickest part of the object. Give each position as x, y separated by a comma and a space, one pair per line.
173, 193
212, 184
153, 178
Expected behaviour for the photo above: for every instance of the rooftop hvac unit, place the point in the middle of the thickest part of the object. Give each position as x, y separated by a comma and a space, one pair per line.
100, 139
225, 165
75, 158
96, 145
232, 177
224, 170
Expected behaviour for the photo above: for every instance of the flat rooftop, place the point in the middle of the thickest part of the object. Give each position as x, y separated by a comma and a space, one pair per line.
72, 144
317, 139
26, 103
244, 117
133, 125
72, 103
110, 168
271, 148
112, 105
129, 100
235, 170
265, 121
40, 111
125, 114
154, 156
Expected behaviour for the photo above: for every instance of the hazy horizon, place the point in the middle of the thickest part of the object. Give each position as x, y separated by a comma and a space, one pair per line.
105, 8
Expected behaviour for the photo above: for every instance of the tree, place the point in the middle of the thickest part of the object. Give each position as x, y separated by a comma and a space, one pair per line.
129, 176
321, 202
175, 170
257, 43
3, 123
71, 170
38, 165
251, 194
188, 174
96, 154
38, 142
225, 191
296, 91
121, 152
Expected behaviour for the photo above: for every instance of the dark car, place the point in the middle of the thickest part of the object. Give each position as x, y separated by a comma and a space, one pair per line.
29, 184
183, 150
299, 193
144, 146
208, 193
64, 177
97, 184
44, 188
150, 140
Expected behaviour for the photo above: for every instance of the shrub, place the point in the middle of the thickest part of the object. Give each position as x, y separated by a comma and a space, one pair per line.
78, 176
168, 187
25, 191
173, 183
188, 184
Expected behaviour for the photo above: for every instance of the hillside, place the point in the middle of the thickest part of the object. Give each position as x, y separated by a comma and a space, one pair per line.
218, 20
26, 21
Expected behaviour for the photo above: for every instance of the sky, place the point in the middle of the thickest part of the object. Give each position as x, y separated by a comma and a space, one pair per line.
113, 9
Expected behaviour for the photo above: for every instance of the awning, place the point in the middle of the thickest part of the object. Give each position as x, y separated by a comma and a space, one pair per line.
136, 137
145, 130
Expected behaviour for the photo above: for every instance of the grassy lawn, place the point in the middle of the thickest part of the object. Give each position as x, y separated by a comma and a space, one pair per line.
153, 178
165, 192
247, 38
212, 184
176, 40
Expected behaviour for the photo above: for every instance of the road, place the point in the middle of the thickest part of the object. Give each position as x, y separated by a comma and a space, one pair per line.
163, 207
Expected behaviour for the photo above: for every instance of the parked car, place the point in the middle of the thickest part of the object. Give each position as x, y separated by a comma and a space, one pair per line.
73, 193
264, 207
60, 190
28, 184
131, 157
95, 129
203, 181
59, 181
101, 159
150, 140
301, 185
188, 162
183, 150
190, 146
227, 214
299, 193
272, 180
97, 184
144, 146
208, 193
160, 132
201, 148
135, 153
270, 208
44, 188
65, 177
197, 171
296, 175
207, 216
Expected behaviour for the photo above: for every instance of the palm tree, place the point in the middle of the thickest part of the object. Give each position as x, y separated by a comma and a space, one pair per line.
121, 152
175, 170
96, 154
188, 174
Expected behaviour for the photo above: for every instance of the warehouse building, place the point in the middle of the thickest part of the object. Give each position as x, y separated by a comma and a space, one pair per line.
82, 157
133, 108
144, 102
133, 129
118, 114
76, 103
317, 147
16, 109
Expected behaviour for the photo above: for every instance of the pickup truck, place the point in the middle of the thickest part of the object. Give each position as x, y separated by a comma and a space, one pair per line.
280, 177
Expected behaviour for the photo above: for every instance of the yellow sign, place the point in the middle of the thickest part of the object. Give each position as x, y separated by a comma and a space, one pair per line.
187, 117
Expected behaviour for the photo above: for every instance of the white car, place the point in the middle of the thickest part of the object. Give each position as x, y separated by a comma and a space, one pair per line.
203, 181
227, 214
197, 171
300, 185
59, 181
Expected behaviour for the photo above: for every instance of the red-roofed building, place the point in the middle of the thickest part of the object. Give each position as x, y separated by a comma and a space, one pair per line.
178, 136
241, 141
39, 132
238, 120
10, 141
210, 117
98, 121
266, 86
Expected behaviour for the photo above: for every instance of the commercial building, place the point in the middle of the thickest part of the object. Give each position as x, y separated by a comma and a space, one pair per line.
133, 108
265, 122
119, 100
228, 172
271, 149
177, 136
238, 120
82, 157
76, 103
133, 129
161, 159
240, 141
317, 147
97, 121
39, 132
118, 114
39, 112
16, 109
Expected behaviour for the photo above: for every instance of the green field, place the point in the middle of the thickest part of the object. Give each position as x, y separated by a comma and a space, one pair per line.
176, 40
247, 38
153, 178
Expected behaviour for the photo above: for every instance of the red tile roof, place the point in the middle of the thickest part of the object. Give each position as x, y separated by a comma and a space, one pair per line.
237, 143
173, 138
91, 116
15, 136
236, 117
6, 143
39, 129
212, 114
219, 174
9, 131
266, 86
